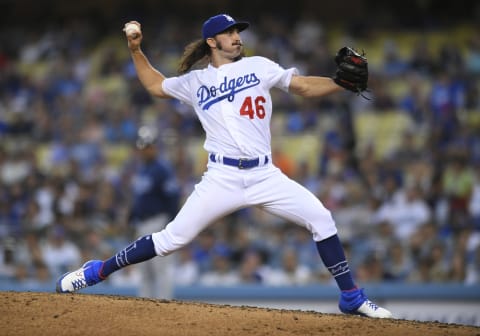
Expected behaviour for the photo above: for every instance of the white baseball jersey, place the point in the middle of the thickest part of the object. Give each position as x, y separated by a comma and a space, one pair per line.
233, 103
234, 106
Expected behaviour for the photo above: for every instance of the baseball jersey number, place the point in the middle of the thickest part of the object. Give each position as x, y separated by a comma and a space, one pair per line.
251, 109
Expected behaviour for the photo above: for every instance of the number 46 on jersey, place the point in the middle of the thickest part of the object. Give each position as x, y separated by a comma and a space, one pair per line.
252, 107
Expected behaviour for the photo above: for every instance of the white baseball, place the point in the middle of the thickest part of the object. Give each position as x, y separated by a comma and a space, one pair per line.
132, 30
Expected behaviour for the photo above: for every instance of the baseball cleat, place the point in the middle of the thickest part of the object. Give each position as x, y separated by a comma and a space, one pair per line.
356, 303
87, 275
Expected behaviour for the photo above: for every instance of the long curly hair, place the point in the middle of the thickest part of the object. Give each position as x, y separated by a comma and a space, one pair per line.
196, 53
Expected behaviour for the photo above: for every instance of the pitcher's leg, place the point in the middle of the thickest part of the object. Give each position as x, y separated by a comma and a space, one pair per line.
213, 198
287, 199
306, 210
208, 203
295, 203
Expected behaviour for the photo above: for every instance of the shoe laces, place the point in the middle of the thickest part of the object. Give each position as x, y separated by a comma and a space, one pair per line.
371, 305
79, 284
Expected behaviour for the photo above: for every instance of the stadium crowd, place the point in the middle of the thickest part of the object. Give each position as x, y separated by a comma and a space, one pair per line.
70, 106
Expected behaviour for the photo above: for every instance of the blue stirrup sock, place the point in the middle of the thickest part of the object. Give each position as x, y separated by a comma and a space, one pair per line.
140, 250
332, 254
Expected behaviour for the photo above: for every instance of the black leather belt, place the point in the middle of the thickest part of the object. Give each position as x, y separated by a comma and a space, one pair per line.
239, 163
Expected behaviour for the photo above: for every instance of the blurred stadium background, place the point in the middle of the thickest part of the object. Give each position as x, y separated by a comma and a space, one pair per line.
400, 172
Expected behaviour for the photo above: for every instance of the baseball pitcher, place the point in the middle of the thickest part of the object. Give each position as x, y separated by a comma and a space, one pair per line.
231, 97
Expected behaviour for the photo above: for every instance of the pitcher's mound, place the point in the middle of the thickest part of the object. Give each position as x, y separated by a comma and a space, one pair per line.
80, 314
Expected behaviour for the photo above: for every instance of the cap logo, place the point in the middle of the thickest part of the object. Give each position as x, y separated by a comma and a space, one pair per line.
228, 17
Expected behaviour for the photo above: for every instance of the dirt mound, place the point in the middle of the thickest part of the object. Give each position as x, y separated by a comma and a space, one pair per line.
80, 314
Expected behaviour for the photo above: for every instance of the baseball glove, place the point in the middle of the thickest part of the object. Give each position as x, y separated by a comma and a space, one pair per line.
352, 70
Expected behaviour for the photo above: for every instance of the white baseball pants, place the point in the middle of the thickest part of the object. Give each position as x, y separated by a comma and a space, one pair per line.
225, 189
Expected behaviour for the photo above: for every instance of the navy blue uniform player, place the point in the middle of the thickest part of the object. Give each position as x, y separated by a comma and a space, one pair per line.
155, 202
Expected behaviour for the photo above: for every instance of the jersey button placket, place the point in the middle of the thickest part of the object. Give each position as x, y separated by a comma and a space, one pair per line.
228, 110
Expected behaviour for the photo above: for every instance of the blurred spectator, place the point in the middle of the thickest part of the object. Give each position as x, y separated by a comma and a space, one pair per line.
439, 263
421, 58
414, 102
186, 269
458, 270
121, 126
15, 168
419, 172
59, 253
370, 270
307, 177
383, 100
457, 182
37, 275
299, 240
423, 240
474, 204
393, 64
302, 118
472, 59
473, 269
128, 277
354, 214
408, 150
451, 57
421, 273
405, 211
291, 272
432, 266
205, 247
445, 98
283, 161
398, 265
94, 247
221, 272
251, 269
7, 259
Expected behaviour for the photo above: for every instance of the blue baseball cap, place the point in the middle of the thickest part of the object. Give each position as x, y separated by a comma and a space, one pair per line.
219, 23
